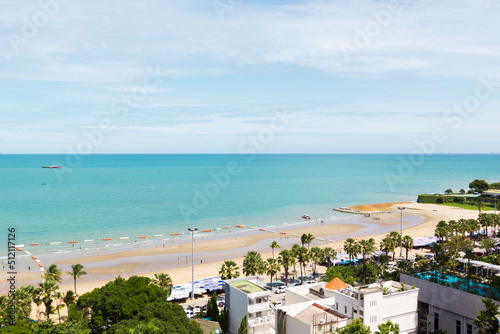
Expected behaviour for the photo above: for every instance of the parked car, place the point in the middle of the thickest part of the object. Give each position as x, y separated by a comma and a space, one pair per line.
280, 289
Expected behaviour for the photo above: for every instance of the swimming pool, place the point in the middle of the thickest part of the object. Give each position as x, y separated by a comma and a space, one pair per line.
471, 286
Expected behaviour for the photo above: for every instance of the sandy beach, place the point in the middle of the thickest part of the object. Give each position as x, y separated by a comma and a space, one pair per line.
104, 268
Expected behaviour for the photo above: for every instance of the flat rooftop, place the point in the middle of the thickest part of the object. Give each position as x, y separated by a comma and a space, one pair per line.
247, 287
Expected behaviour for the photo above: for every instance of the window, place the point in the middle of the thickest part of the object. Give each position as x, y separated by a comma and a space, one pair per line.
373, 318
436, 321
354, 310
373, 303
361, 312
336, 306
258, 301
469, 329
458, 327
258, 314
345, 309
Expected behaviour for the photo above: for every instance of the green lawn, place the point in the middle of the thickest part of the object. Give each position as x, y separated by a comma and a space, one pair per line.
467, 206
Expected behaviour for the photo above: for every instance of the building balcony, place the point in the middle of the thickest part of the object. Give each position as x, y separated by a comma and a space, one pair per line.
252, 308
264, 320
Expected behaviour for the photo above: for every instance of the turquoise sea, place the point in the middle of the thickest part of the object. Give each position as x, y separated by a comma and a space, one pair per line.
113, 196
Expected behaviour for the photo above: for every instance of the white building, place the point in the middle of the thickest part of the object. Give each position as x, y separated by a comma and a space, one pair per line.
320, 308
246, 296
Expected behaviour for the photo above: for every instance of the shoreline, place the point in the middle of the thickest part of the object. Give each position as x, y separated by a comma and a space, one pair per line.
173, 259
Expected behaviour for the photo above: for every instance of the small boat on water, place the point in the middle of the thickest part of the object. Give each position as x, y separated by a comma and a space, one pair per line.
51, 166
306, 216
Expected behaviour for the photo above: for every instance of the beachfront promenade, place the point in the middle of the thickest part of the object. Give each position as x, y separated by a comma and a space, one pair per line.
147, 261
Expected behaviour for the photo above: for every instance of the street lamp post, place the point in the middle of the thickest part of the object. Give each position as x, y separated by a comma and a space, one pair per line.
192, 230
401, 208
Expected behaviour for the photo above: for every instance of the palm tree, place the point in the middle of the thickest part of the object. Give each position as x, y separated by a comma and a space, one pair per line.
367, 246
58, 296
272, 268
229, 270
396, 236
328, 254
69, 298
301, 254
387, 245
486, 320
46, 292
472, 226
442, 230
480, 206
77, 272
351, 247
53, 274
407, 244
164, 281
23, 298
251, 263
315, 255
286, 260
274, 245
306, 239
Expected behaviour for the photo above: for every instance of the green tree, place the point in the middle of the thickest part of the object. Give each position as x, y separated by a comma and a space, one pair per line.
407, 244
119, 300
442, 230
272, 268
224, 320
396, 236
243, 326
487, 244
367, 247
329, 254
69, 298
251, 263
462, 191
46, 293
479, 185
388, 327
306, 239
315, 255
77, 272
486, 321
387, 245
23, 299
356, 327
229, 270
167, 317
448, 191
352, 248
286, 260
164, 281
367, 273
274, 245
53, 273
212, 308
301, 254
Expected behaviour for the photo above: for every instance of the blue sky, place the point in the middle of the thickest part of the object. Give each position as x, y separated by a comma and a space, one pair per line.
355, 76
